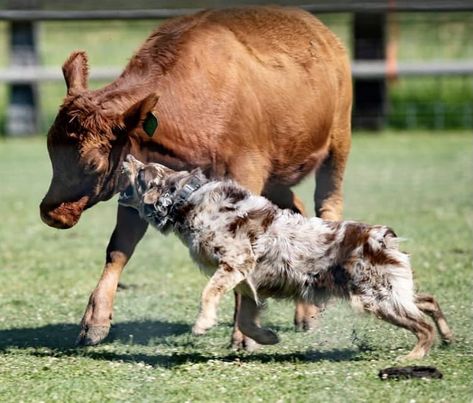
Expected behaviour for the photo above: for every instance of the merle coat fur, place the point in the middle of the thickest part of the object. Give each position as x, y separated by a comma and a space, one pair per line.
244, 241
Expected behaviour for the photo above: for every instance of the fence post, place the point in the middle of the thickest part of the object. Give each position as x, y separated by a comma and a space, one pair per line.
23, 108
370, 94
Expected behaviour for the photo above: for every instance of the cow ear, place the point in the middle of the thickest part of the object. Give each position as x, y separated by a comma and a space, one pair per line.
76, 72
141, 115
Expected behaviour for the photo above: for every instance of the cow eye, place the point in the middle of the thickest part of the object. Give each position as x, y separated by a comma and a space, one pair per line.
94, 162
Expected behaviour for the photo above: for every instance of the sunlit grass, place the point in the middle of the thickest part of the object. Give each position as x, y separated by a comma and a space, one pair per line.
421, 185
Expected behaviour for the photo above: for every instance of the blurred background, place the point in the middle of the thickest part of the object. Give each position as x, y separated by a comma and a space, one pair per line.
412, 60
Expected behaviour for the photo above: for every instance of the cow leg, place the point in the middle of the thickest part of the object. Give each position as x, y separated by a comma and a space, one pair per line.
250, 172
329, 178
128, 231
305, 316
248, 321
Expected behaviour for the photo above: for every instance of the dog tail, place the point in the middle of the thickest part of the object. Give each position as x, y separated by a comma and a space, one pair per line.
397, 269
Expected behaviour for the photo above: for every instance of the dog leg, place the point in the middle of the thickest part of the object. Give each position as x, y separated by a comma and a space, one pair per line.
248, 323
422, 330
223, 280
428, 304
404, 316
425, 336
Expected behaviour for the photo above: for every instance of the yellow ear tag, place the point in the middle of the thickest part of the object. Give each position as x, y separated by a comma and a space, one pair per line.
150, 124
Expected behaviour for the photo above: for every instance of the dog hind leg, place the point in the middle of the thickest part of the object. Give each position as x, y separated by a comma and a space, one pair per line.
421, 329
429, 305
387, 311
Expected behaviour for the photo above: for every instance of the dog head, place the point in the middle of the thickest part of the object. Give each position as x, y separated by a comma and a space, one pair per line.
141, 178
154, 190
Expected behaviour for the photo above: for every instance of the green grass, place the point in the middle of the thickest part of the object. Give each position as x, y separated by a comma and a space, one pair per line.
419, 184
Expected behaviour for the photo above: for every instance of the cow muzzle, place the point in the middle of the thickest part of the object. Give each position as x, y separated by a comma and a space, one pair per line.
64, 215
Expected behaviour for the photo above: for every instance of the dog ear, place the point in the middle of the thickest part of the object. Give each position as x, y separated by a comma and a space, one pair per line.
199, 173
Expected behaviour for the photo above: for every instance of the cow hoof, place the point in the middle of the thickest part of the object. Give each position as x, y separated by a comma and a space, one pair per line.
198, 331
306, 316
250, 345
92, 335
267, 337
305, 325
244, 343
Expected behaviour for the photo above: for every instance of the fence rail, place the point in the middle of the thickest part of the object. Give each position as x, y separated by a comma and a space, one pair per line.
322, 6
360, 69
371, 67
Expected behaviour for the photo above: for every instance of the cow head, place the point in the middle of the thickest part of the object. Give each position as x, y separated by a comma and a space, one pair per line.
87, 143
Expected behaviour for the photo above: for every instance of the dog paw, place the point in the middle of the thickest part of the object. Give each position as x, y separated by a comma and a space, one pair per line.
448, 339
413, 355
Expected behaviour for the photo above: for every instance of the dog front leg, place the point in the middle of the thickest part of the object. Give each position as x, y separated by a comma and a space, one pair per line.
224, 279
248, 318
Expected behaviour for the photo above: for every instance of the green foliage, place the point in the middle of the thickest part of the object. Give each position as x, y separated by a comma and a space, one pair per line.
418, 102
418, 184
431, 103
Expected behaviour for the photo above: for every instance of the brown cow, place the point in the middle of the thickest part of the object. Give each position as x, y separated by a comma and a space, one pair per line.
261, 94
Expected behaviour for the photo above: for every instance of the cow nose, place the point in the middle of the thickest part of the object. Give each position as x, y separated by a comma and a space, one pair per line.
51, 219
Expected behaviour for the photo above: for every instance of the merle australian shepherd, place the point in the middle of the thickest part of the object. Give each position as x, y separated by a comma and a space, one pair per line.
243, 240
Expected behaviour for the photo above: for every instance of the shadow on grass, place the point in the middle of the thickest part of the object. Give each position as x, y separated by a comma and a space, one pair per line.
62, 336
58, 340
173, 360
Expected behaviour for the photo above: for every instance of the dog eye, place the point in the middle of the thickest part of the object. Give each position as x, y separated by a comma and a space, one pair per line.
142, 179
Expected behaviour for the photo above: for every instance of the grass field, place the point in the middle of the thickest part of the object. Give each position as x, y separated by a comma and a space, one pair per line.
419, 184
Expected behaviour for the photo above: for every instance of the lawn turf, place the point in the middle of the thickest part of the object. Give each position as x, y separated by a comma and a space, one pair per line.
420, 184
